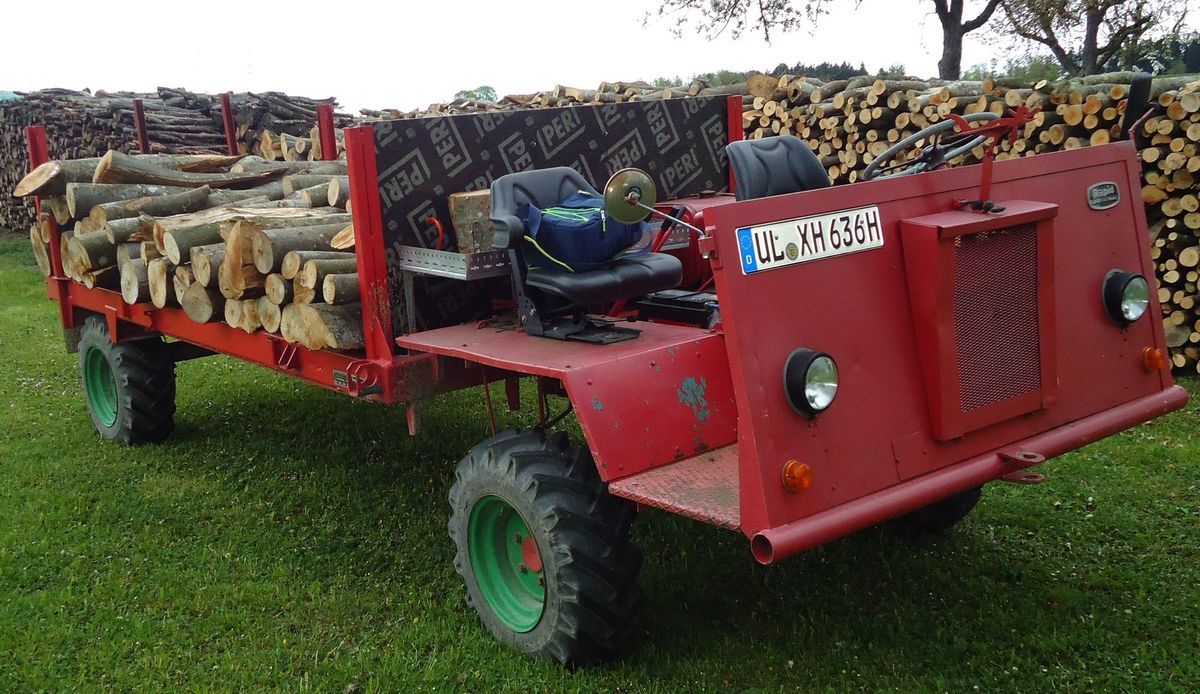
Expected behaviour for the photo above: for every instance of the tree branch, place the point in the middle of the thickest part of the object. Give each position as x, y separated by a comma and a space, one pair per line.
983, 17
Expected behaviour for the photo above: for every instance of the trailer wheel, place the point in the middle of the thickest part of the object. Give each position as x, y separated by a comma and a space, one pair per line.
129, 387
544, 548
942, 515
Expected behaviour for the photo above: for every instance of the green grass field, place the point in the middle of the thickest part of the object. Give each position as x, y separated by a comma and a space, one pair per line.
288, 538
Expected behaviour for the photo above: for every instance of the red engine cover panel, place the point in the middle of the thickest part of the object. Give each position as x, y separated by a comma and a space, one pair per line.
860, 308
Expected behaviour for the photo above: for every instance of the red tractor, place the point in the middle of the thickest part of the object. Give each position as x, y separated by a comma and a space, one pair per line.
793, 361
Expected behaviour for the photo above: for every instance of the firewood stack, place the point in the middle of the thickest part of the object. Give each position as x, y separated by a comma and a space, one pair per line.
81, 125
265, 117
1171, 174
234, 239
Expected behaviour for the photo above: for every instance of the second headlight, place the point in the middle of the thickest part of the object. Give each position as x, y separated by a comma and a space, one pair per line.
1126, 296
810, 381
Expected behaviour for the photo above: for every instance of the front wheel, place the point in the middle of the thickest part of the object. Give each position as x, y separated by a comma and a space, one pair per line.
129, 387
544, 549
942, 515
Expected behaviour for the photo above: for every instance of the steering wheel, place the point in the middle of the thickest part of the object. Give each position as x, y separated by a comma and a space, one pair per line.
937, 154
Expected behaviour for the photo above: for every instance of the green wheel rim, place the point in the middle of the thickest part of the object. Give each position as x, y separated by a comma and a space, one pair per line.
100, 386
507, 563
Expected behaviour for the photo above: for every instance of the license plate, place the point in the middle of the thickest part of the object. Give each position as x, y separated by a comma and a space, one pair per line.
792, 241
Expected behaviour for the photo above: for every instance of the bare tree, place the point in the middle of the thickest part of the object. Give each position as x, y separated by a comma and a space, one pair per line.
738, 16
1085, 35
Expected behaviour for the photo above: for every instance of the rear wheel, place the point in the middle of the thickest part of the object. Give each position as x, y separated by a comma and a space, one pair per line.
941, 516
544, 549
129, 387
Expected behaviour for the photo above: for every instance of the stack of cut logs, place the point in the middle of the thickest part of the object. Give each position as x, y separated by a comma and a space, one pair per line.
1171, 191
277, 126
256, 244
274, 146
82, 125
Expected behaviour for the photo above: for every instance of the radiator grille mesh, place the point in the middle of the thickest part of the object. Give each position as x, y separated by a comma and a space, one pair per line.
996, 316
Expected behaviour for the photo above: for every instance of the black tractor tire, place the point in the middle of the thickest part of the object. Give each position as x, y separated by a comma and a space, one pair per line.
589, 567
129, 387
940, 516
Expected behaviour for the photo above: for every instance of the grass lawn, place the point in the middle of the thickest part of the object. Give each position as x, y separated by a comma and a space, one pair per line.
289, 538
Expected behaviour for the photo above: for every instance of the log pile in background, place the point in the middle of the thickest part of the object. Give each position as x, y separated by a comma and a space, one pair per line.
81, 125
233, 239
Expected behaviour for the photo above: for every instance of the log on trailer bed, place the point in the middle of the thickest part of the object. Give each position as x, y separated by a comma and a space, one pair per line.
271, 245
203, 304
340, 289
313, 274
162, 290
294, 261
189, 200
135, 284
115, 167
321, 326
52, 177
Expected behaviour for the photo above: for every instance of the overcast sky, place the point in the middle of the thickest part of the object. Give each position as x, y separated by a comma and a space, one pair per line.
405, 55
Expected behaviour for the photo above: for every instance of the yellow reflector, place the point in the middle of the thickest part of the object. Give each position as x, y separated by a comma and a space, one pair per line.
796, 476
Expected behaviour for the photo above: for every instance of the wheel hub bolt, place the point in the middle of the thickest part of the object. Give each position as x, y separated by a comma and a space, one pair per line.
517, 538
541, 581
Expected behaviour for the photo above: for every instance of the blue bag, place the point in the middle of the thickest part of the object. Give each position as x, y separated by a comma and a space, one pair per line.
576, 235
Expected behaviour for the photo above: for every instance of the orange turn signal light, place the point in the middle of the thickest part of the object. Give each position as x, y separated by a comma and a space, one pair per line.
1154, 359
796, 476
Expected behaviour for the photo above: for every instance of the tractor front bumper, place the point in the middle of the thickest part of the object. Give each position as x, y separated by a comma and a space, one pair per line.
783, 541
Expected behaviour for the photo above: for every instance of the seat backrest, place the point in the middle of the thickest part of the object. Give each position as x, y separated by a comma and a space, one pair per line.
774, 166
539, 187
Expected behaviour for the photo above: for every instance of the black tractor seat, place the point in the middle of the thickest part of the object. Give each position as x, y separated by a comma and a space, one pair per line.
553, 302
620, 279
774, 166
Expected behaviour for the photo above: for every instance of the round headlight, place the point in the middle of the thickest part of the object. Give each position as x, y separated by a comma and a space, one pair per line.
810, 381
1126, 296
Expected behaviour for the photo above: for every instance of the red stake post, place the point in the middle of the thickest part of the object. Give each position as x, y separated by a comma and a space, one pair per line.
325, 128
230, 126
139, 126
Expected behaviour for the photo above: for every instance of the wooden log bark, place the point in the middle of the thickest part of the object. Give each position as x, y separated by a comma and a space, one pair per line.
115, 167
321, 326
40, 253
203, 304
281, 168
269, 314
303, 295
344, 239
135, 284
82, 197
340, 288
137, 228
92, 251
127, 252
278, 290
156, 206
339, 191
298, 182
162, 289
177, 244
271, 245
52, 177
182, 278
293, 261
314, 272
242, 314
204, 259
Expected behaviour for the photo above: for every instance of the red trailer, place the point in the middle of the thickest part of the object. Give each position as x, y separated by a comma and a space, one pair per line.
793, 362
